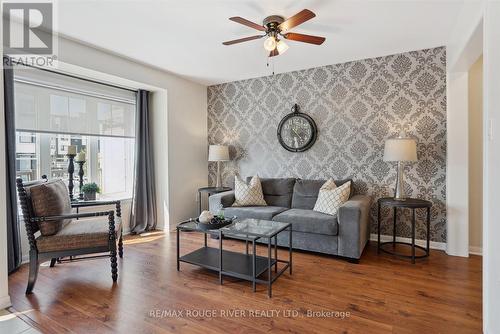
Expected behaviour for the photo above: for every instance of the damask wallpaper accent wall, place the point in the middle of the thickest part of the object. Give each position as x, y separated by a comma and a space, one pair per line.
357, 106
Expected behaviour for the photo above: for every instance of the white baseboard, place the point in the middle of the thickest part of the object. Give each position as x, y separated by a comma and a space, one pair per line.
419, 242
5, 302
474, 250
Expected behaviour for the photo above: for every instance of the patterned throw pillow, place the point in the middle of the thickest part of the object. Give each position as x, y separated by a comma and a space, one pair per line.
50, 199
331, 197
248, 194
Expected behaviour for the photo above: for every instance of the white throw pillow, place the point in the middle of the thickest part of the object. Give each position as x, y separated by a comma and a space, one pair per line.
248, 194
331, 197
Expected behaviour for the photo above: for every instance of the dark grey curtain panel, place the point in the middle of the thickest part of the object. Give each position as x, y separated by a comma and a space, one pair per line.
13, 237
143, 213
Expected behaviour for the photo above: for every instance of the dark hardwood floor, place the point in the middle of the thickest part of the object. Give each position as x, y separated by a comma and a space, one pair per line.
381, 294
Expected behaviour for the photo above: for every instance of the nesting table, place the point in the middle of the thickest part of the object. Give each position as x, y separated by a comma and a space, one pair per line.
242, 265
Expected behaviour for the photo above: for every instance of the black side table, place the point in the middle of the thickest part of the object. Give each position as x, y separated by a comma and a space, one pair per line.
209, 191
411, 203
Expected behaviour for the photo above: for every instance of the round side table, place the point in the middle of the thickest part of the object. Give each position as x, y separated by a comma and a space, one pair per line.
410, 203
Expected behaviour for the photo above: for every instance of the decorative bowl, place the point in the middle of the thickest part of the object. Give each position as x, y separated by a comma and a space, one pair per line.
214, 224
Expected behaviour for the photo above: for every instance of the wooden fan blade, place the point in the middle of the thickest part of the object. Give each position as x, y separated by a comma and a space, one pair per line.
247, 23
241, 40
305, 38
297, 19
274, 53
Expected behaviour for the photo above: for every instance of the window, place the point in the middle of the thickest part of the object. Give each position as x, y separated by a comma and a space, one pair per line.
26, 138
54, 111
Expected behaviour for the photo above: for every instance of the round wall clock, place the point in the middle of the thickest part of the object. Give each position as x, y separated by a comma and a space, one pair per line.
297, 131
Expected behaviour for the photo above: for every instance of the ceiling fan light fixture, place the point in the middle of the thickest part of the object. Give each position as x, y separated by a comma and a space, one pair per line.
281, 46
277, 27
270, 43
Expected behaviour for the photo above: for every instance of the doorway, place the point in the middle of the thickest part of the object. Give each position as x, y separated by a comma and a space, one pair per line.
475, 101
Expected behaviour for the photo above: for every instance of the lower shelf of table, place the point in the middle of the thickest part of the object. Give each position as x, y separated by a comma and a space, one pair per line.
407, 256
233, 263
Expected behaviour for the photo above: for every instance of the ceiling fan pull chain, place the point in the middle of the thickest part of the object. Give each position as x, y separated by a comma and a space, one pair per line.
270, 59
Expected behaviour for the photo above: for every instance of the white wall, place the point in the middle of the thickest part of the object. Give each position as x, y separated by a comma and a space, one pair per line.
483, 19
491, 185
457, 199
463, 50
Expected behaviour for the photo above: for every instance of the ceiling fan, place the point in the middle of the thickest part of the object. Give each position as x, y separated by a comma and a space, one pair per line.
275, 27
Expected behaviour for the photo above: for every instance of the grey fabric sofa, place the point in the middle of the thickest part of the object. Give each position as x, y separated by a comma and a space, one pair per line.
292, 200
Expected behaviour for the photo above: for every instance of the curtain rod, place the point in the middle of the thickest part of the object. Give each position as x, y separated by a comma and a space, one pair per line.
80, 78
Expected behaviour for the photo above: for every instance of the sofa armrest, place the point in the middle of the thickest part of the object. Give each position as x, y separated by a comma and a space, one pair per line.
219, 201
354, 226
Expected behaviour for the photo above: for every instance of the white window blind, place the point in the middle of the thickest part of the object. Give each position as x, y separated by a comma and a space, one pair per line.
53, 103
53, 111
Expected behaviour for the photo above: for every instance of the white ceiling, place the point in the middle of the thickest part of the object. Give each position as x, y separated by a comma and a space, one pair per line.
185, 36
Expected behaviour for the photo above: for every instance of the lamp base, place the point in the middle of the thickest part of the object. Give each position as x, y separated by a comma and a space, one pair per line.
399, 193
218, 182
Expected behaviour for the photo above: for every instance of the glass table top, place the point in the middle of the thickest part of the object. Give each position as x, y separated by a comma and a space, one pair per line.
254, 227
242, 228
190, 225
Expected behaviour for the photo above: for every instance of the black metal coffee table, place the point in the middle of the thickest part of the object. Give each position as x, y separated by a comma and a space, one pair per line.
240, 265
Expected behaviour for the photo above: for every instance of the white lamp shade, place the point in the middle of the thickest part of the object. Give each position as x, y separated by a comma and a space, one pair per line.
400, 149
218, 153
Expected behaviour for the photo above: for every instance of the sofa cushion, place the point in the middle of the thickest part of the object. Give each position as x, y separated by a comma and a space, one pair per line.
305, 192
277, 191
309, 221
256, 212
321, 243
81, 233
50, 199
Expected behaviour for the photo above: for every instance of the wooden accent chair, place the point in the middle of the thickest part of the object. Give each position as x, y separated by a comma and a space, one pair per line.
74, 236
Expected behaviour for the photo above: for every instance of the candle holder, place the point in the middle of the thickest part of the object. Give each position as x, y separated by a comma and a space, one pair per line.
80, 174
71, 170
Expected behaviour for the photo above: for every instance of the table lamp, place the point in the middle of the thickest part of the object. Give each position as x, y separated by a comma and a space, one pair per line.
400, 149
218, 153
